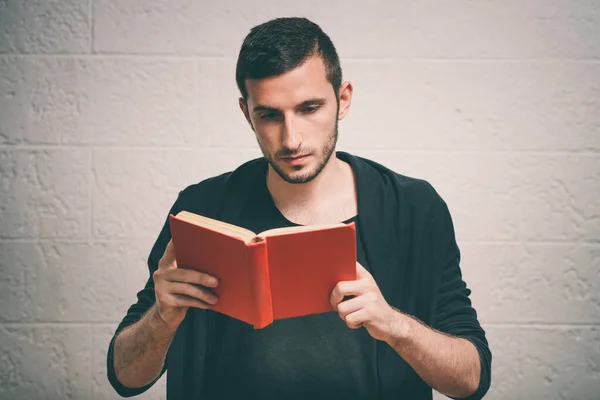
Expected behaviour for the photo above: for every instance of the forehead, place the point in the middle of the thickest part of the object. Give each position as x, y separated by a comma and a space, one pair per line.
290, 88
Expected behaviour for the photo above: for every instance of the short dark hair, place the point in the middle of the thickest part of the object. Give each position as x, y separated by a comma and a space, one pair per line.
282, 44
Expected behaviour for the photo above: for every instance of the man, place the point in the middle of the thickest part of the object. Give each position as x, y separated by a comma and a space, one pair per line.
404, 326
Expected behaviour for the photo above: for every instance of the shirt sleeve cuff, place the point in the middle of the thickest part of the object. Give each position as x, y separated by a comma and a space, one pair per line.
122, 390
485, 370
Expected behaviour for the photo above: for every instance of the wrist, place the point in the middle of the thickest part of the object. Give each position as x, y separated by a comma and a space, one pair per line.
159, 323
399, 328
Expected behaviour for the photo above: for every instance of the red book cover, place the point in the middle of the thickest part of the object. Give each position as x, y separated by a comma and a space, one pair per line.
280, 273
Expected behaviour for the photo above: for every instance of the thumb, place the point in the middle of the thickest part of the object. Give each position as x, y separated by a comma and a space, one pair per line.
361, 272
168, 257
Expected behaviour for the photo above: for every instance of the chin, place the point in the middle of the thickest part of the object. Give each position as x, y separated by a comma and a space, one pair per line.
297, 175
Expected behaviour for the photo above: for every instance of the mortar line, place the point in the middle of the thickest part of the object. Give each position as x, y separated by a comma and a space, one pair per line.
91, 20
540, 324
91, 324
73, 146
83, 240
528, 242
475, 60
91, 194
382, 151
382, 58
53, 324
368, 151
196, 98
128, 239
92, 361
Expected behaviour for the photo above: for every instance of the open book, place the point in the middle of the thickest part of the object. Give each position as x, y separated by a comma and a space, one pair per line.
279, 273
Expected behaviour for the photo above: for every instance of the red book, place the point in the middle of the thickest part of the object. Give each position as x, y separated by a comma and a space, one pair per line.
279, 273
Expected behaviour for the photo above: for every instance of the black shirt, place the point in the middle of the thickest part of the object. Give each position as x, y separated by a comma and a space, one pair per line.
407, 242
313, 356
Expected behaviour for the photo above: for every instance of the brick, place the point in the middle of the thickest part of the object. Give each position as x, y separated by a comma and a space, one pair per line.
126, 205
506, 374
494, 273
45, 27
462, 29
101, 389
456, 29
39, 100
44, 193
472, 106
221, 122
545, 283
560, 283
102, 101
137, 102
75, 282
45, 362
527, 363
18, 262
560, 201
560, 363
180, 27
463, 180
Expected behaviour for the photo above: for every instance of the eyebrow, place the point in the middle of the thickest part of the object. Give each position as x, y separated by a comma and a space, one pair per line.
313, 101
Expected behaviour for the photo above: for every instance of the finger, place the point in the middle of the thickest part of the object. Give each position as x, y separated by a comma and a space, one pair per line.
190, 290
356, 319
181, 300
168, 257
345, 288
191, 276
361, 272
349, 306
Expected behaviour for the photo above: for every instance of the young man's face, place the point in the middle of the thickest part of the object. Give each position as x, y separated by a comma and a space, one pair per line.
294, 116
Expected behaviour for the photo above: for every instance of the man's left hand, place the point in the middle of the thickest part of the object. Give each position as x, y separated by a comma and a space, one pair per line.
368, 308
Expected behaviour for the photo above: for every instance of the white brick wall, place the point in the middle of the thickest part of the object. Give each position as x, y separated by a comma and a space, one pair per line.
108, 108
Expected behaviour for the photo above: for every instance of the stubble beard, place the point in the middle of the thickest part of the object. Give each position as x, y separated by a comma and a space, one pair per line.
327, 152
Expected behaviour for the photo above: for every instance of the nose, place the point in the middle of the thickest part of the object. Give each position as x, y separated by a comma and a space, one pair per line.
291, 137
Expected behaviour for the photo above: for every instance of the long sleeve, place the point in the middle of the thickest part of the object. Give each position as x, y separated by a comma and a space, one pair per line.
454, 313
145, 300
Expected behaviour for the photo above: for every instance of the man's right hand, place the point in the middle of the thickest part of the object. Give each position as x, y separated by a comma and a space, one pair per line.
177, 289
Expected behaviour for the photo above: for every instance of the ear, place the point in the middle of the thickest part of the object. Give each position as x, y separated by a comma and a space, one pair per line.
345, 99
244, 108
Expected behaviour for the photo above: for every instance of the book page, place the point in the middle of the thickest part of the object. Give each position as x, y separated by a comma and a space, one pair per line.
216, 225
294, 229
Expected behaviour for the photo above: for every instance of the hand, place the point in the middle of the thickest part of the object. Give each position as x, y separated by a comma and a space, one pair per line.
368, 308
178, 289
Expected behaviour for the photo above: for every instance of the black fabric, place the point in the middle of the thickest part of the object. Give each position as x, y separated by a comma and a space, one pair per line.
296, 358
406, 233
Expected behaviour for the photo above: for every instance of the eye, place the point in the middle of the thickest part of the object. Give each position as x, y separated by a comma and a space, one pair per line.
268, 116
310, 109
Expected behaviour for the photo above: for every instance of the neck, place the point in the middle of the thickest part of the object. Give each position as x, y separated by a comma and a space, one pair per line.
325, 185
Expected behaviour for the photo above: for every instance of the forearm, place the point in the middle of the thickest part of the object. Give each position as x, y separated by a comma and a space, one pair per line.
140, 350
448, 364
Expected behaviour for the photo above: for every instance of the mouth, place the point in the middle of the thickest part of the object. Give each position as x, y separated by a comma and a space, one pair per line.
295, 159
